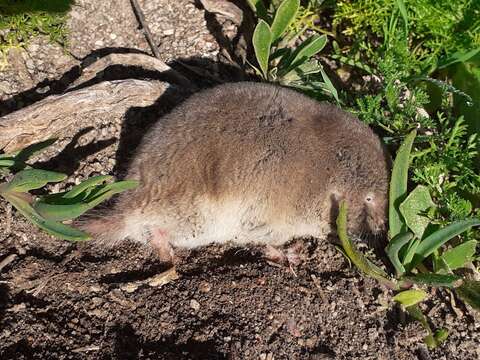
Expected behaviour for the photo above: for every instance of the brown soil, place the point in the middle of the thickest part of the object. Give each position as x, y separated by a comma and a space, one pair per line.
78, 301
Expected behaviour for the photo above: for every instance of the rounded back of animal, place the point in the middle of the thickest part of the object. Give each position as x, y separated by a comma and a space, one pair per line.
250, 163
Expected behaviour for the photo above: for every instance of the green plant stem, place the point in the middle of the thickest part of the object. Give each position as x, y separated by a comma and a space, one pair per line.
360, 261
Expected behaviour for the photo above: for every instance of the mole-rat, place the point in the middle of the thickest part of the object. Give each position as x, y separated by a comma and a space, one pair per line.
249, 163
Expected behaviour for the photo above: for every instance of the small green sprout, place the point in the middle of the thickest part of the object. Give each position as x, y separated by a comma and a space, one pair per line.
277, 57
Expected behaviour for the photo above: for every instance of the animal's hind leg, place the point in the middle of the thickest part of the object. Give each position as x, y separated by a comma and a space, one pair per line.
159, 241
288, 257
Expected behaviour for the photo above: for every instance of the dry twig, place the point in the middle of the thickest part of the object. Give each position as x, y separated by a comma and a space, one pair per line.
146, 30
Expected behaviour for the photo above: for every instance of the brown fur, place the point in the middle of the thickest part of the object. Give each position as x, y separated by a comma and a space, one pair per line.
283, 157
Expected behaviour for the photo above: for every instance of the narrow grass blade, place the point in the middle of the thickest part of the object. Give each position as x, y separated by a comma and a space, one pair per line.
285, 14
360, 261
457, 57
262, 41
112, 189
398, 185
394, 247
403, 12
77, 193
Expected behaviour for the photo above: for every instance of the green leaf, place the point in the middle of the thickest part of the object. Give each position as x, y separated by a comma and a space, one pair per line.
440, 237
398, 185
259, 8
410, 297
63, 231
403, 12
108, 190
84, 185
469, 292
460, 255
300, 72
417, 202
466, 77
329, 86
30, 179
441, 335
360, 261
430, 341
262, 41
412, 247
307, 49
436, 280
457, 57
415, 312
393, 249
56, 229
61, 212
285, 14
6, 162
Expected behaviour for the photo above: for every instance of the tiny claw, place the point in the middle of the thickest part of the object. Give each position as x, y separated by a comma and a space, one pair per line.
293, 257
279, 258
274, 256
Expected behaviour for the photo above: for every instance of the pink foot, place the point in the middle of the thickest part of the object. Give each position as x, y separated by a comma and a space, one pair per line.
164, 250
289, 258
274, 256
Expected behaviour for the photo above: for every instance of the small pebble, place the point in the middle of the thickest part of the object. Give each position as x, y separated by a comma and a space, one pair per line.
194, 304
33, 47
205, 287
29, 64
